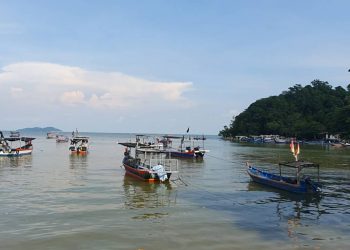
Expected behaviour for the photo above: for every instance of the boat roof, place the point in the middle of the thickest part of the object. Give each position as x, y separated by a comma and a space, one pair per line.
300, 164
134, 145
142, 135
199, 138
128, 144
149, 150
25, 139
80, 138
172, 137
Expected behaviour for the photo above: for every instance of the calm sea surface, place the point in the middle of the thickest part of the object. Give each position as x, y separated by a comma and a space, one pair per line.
51, 200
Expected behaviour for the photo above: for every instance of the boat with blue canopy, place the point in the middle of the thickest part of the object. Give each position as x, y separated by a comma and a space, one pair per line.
298, 183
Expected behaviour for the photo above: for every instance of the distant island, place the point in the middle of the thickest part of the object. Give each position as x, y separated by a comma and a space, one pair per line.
308, 112
39, 130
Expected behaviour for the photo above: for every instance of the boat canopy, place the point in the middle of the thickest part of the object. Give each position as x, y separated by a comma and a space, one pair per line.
25, 139
128, 144
199, 138
79, 138
299, 164
149, 150
172, 137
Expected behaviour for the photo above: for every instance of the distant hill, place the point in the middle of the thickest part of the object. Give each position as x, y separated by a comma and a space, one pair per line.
38, 130
304, 112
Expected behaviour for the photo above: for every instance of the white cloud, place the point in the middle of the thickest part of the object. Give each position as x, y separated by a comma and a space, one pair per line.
64, 85
16, 92
72, 97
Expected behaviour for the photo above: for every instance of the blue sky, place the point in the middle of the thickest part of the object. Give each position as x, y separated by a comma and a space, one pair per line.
161, 66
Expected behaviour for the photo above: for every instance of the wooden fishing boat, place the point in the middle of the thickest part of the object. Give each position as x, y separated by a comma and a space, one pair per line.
8, 149
144, 142
62, 138
153, 167
14, 134
79, 145
297, 184
51, 135
187, 148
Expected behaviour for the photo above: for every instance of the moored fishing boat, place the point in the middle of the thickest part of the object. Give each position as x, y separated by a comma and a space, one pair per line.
153, 167
62, 138
295, 184
79, 144
14, 134
187, 148
8, 149
299, 183
51, 135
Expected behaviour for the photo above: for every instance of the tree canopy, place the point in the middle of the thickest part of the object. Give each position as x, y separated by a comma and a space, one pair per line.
303, 112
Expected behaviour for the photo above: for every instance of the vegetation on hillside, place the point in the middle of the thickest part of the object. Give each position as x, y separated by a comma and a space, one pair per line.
303, 112
38, 129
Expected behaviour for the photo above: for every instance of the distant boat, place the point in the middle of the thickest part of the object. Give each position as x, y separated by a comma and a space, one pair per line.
337, 145
51, 135
79, 145
297, 184
14, 134
62, 138
280, 140
186, 149
8, 149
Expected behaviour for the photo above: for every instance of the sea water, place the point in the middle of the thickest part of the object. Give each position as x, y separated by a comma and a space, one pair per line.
54, 200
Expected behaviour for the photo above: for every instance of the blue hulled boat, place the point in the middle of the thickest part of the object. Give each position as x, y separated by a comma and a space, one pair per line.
297, 184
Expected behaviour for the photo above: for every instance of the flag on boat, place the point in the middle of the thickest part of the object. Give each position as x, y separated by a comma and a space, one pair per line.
298, 150
188, 129
292, 146
295, 150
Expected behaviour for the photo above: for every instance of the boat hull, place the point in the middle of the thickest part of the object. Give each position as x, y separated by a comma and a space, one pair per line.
16, 153
142, 174
187, 155
77, 152
283, 183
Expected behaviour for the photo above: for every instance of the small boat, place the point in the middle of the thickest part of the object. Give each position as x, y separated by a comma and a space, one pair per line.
337, 144
14, 134
51, 135
281, 140
186, 149
149, 168
144, 142
62, 138
297, 184
79, 144
8, 149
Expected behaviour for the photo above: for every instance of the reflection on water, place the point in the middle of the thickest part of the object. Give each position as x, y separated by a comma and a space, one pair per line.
139, 194
301, 217
55, 199
78, 165
14, 162
78, 161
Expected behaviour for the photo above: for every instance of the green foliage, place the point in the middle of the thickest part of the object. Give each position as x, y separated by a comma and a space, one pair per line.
304, 112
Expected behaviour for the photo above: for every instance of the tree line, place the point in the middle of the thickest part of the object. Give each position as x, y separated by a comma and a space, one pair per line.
303, 112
